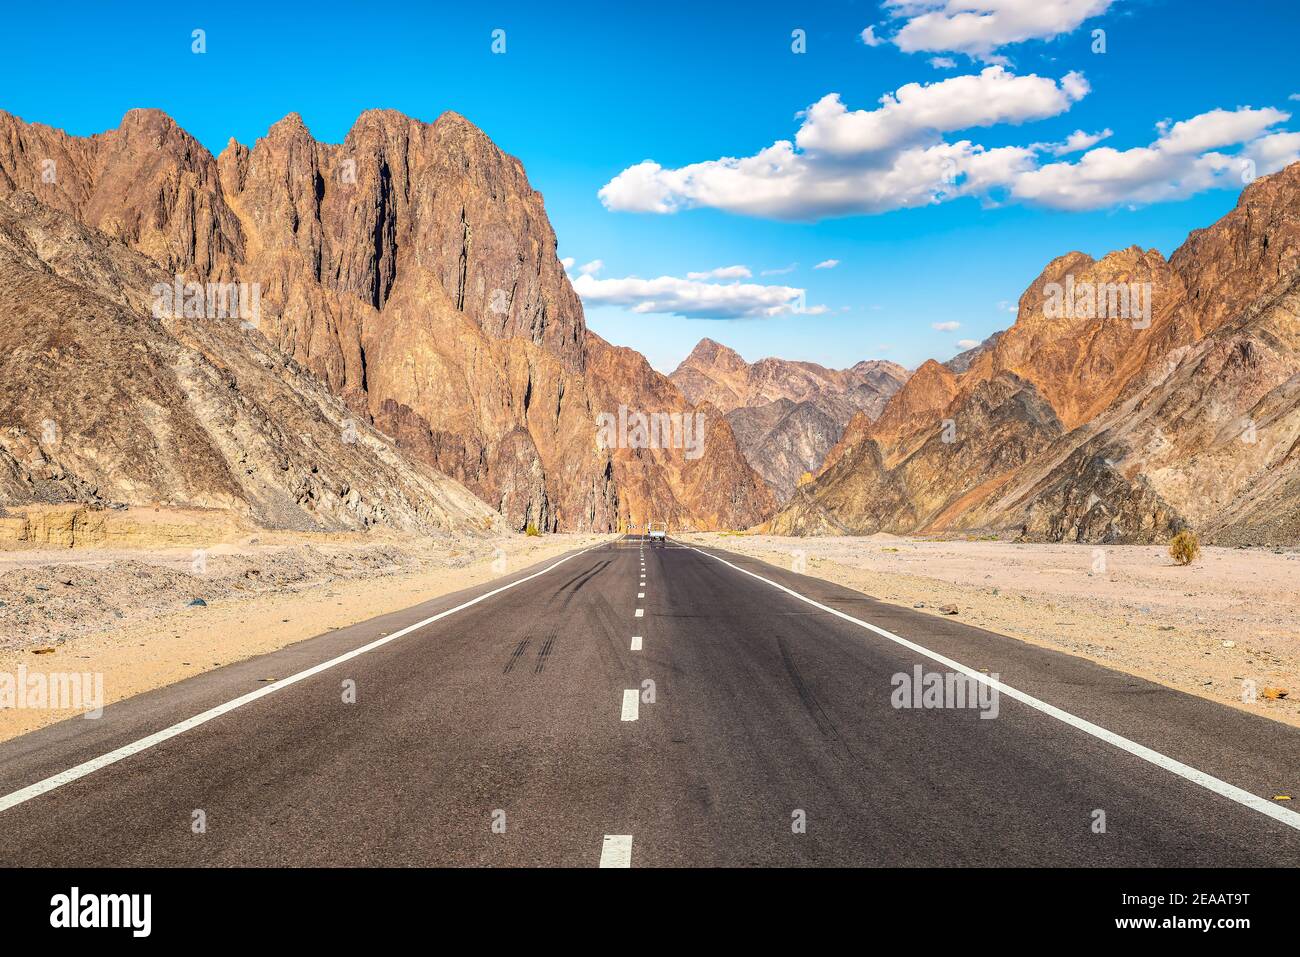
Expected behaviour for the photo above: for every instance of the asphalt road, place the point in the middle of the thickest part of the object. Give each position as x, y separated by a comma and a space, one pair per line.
500, 735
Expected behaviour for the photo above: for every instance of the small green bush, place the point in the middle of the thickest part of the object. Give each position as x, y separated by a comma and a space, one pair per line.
531, 529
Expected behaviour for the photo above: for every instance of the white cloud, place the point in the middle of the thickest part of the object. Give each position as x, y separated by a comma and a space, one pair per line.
1183, 160
1294, 96
896, 156
979, 27
916, 111
567, 262
722, 272
868, 36
943, 63
827, 264
1271, 153
1219, 128
693, 298
591, 268
965, 344
864, 161
1079, 140
784, 270
945, 326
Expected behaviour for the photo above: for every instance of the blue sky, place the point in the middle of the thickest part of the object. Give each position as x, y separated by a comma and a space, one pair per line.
584, 92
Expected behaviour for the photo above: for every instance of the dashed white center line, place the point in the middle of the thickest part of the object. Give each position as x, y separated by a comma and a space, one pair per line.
640, 613
631, 704
616, 851
636, 642
640, 594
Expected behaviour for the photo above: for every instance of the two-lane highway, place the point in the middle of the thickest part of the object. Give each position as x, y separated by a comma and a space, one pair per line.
655, 704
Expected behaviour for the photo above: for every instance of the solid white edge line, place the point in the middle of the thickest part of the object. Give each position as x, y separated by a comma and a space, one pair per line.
636, 642
616, 850
631, 704
126, 751
1207, 781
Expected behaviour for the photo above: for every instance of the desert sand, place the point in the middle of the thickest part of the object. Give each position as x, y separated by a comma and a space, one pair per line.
1204, 628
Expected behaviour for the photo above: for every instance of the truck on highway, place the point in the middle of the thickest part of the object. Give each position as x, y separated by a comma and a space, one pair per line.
657, 530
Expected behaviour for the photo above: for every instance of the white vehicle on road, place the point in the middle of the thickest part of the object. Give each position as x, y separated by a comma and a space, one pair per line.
657, 530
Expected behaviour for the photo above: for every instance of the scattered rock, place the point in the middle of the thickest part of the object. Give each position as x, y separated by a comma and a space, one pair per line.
948, 610
198, 603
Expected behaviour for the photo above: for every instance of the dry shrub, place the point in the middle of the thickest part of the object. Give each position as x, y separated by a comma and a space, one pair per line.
1185, 548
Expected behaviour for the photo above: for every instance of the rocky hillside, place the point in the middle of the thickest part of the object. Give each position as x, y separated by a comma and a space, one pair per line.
105, 404
786, 415
1107, 427
412, 270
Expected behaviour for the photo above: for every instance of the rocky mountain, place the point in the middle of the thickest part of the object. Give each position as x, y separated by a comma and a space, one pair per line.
104, 403
1104, 421
412, 270
786, 415
718, 375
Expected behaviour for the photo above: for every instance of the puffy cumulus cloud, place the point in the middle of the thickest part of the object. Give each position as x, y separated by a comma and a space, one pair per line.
1271, 153
1218, 128
964, 344
694, 298
591, 268
865, 161
943, 63
567, 262
916, 111
868, 36
722, 272
861, 162
979, 27
1184, 159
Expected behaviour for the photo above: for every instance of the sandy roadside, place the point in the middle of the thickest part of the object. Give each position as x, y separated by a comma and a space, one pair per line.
171, 642
1205, 629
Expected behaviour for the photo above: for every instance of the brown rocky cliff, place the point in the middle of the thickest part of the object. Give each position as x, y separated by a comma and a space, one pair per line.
104, 403
714, 489
411, 268
1096, 428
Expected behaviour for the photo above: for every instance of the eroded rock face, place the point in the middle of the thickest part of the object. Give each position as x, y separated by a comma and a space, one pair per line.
105, 403
411, 268
704, 484
786, 415
718, 375
1118, 428
784, 440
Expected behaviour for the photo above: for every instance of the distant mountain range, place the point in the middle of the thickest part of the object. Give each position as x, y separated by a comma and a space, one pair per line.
404, 350
786, 415
1170, 400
